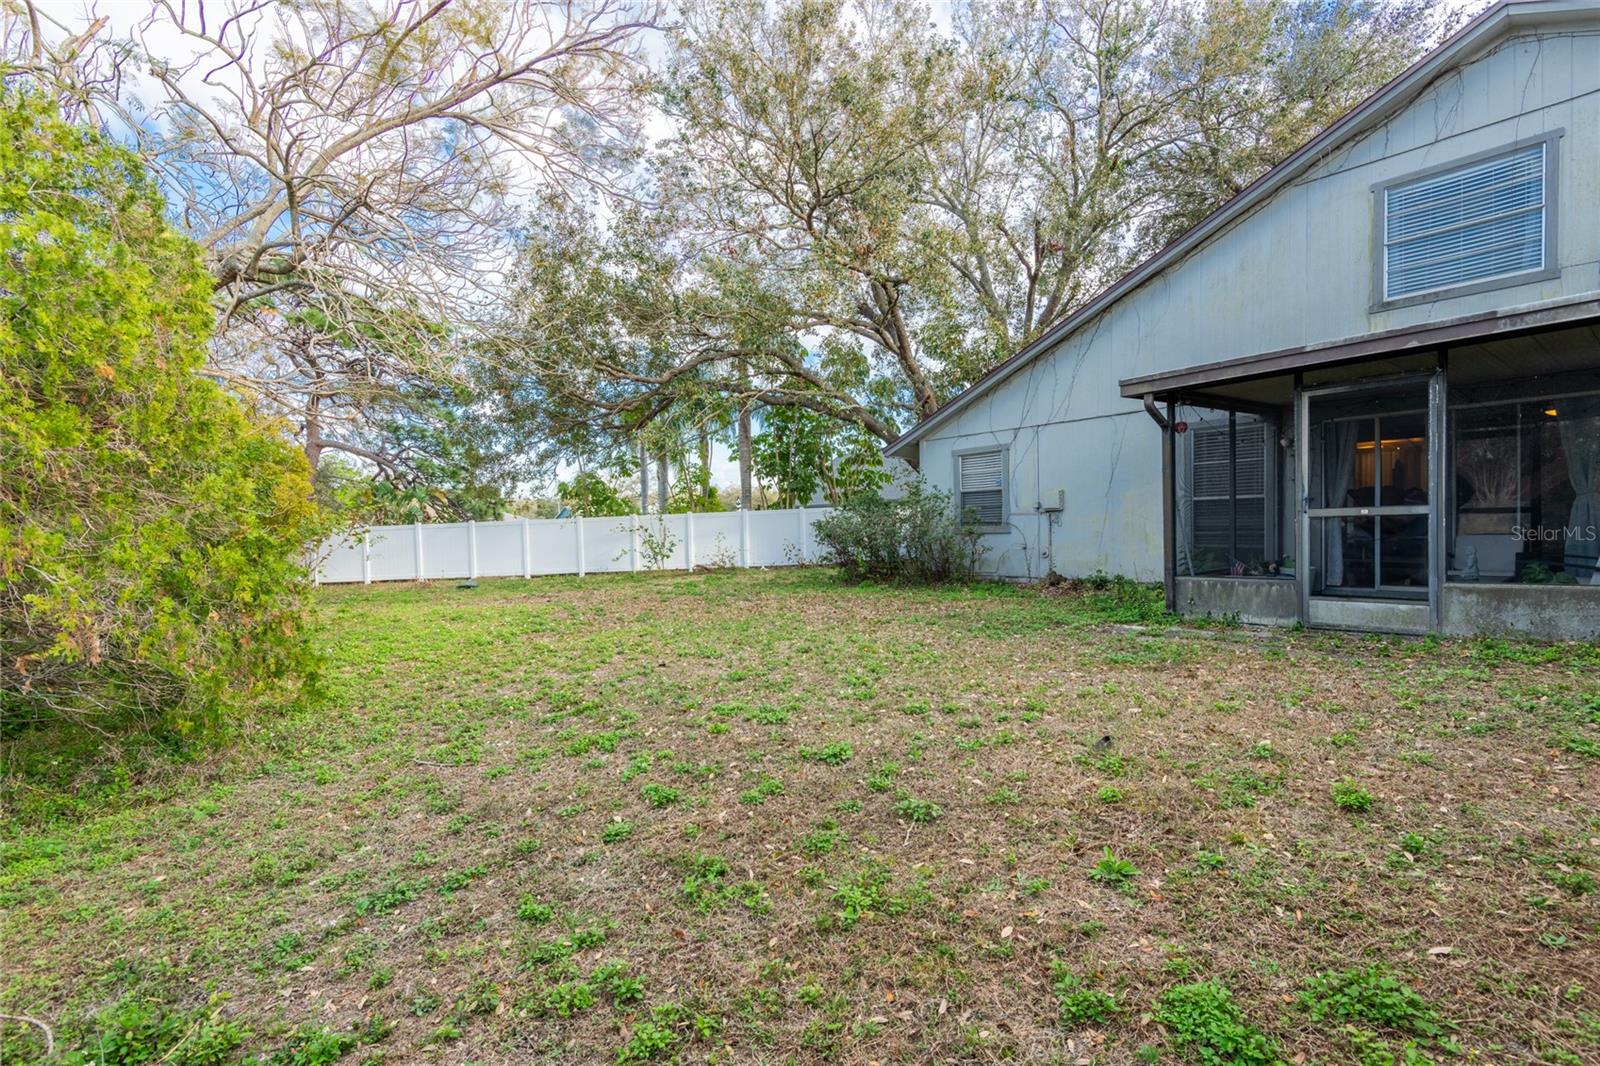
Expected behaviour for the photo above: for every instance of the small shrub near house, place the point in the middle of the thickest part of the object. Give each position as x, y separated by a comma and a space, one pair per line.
917, 538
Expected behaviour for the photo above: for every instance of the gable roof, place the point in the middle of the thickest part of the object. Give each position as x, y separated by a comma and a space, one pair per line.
1465, 44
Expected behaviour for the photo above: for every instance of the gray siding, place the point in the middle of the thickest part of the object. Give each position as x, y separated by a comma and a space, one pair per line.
1295, 271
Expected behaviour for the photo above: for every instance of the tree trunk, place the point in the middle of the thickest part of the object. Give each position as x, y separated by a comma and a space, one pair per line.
644, 480
744, 457
705, 469
662, 483
313, 433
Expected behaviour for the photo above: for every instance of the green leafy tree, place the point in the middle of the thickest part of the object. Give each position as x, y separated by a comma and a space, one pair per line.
349, 167
802, 452
590, 496
860, 214
151, 529
789, 452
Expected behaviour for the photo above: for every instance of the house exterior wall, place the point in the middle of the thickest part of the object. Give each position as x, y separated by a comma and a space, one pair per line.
1519, 611
1295, 271
1255, 602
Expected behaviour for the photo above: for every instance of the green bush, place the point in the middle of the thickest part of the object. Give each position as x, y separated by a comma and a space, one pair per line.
1204, 1018
1080, 1005
136, 1032
151, 529
916, 538
1372, 995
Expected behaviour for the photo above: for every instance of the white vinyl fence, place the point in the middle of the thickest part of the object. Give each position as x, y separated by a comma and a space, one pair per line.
529, 547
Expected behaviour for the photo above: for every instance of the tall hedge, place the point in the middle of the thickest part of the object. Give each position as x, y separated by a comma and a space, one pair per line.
151, 528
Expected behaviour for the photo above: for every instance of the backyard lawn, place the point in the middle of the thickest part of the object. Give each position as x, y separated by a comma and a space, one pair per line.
765, 817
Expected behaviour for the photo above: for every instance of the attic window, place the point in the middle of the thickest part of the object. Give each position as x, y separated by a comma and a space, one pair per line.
1472, 224
980, 481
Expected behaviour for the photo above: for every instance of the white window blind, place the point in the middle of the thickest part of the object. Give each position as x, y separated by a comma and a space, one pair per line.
1230, 498
1482, 221
982, 487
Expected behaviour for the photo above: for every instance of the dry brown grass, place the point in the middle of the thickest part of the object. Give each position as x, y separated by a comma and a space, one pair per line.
445, 750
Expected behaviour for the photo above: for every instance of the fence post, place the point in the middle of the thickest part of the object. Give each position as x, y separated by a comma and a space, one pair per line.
633, 543
688, 541
472, 550
366, 557
744, 537
416, 531
527, 551
800, 513
577, 522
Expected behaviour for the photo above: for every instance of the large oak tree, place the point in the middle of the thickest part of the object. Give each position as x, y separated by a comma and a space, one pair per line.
353, 171
858, 214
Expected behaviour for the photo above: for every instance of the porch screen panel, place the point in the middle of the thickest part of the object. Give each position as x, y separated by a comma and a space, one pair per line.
1475, 223
983, 487
1525, 483
1229, 489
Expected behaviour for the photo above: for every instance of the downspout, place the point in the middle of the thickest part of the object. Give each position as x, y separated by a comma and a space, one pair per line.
1169, 542
1154, 412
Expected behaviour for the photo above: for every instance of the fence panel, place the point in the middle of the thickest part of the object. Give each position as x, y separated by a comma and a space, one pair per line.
444, 551
499, 549
343, 562
608, 545
716, 539
455, 550
394, 552
553, 546
774, 538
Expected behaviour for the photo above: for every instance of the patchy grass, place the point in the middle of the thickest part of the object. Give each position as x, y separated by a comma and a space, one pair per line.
765, 817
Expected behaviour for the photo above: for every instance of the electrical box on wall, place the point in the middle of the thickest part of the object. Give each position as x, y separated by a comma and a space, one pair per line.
1047, 506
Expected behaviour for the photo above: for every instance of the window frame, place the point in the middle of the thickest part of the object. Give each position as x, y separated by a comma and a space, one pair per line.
1551, 269
1004, 450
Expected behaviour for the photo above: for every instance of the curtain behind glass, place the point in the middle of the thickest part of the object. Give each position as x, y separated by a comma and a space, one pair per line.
1342, 438
1580, 439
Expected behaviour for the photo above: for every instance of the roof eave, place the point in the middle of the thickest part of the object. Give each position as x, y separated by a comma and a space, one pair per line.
902, 447
1473, 328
